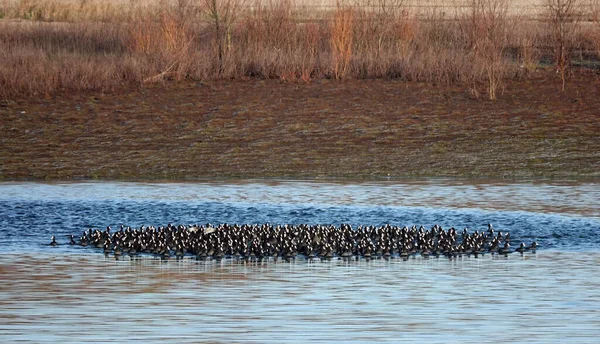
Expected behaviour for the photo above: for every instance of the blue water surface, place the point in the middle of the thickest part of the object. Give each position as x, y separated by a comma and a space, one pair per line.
564, 216
72, 294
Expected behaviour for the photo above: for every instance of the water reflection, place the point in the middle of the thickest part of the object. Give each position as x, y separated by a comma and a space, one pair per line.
87, 298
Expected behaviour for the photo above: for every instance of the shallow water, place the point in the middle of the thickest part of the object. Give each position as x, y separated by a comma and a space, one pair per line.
74, 294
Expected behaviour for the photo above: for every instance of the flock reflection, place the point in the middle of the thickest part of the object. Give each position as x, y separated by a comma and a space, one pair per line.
541, 298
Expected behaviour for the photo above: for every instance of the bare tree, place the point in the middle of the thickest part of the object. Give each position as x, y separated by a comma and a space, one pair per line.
561, 19
487, 28
222, 14
594, 10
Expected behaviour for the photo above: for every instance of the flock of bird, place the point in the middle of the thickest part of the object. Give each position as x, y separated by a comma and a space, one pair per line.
266, 241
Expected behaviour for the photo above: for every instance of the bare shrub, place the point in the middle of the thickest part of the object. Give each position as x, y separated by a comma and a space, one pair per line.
525, 35
486, 32
314, 36
165, 35
376, 23
43, 58
272, 30
106, 44
222, 14
560, 16
144, 34
439, 52
383, 31
341, 40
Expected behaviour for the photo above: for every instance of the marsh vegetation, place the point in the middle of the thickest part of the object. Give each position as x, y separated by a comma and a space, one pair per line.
51, 46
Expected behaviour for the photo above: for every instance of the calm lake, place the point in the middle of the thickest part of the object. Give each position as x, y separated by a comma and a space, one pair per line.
75, 294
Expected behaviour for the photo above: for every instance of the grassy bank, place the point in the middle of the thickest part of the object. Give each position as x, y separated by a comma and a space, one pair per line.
348, 129
53, 46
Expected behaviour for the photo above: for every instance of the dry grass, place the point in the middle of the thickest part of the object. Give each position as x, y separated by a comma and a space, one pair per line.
53, 46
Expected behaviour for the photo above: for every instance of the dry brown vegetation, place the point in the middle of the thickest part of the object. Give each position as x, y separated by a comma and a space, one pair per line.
51, 46
560, 15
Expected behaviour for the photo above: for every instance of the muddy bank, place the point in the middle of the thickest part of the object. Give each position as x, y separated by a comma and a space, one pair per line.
267, 129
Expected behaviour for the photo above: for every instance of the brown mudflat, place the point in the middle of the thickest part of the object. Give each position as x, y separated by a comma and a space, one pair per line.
272, 129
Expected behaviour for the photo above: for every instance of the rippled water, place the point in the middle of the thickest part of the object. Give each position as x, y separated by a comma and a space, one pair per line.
74, 294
